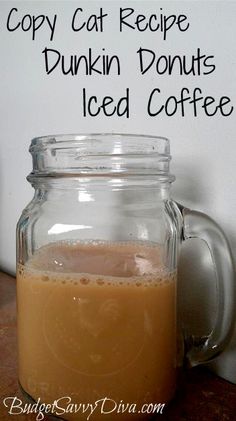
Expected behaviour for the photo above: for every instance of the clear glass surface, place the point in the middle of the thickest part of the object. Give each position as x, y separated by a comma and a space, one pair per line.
97, 256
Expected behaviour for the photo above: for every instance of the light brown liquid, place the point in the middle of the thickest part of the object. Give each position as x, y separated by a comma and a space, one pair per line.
97, 320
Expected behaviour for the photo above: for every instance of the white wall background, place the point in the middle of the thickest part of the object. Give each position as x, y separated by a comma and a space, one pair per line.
33, 103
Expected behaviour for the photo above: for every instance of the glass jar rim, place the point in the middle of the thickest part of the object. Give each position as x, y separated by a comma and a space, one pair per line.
110, 143
100, 154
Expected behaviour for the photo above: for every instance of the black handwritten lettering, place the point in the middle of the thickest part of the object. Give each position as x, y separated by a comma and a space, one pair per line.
93, 23
154, 22
107, 106
152, 62
194, 65
9, 27
102, 64
172, 104
30, 23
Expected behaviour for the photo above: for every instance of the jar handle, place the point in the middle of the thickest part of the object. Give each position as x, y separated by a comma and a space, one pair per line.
199, 225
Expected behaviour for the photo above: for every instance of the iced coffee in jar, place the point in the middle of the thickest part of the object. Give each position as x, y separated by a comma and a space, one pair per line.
97, 257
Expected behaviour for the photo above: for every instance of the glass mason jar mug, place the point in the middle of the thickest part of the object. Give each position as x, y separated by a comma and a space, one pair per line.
97, 257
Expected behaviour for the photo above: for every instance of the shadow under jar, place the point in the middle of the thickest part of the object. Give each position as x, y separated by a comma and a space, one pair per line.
97, 257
